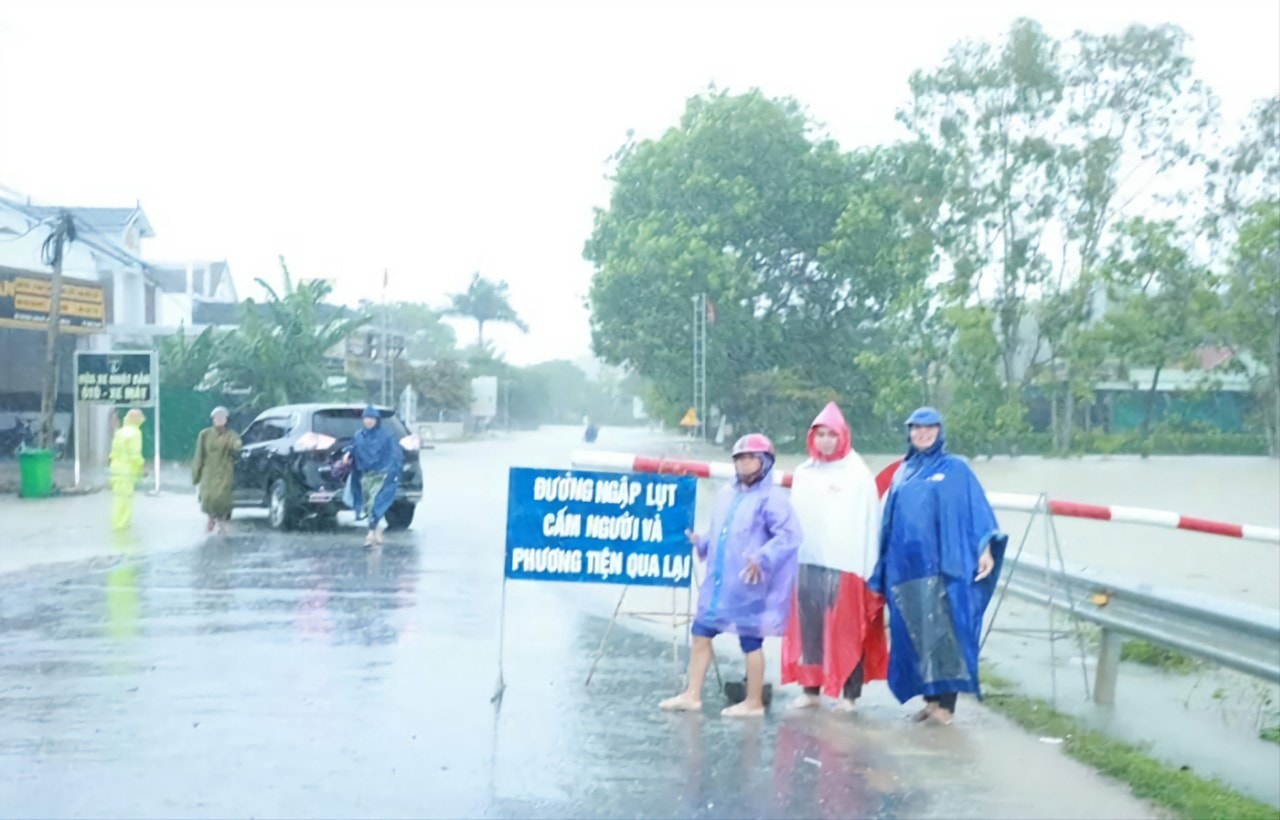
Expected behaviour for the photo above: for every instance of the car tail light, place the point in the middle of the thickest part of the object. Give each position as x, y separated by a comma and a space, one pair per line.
411, 442
315, 442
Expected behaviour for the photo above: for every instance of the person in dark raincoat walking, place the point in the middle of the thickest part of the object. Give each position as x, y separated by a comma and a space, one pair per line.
213, 469
940, 556
376, 460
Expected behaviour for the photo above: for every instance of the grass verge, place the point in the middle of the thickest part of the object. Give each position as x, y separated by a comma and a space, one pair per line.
1271, 734
1149, 654
1179, 790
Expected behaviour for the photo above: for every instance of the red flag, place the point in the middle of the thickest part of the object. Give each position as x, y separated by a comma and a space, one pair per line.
711, 312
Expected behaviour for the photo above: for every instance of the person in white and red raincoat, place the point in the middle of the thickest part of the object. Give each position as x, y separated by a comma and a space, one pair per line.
835, 641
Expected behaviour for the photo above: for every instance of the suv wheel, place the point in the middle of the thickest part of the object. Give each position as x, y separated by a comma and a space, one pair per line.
279, 510
400, 515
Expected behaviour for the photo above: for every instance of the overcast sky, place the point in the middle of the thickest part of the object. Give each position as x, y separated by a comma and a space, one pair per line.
439, 138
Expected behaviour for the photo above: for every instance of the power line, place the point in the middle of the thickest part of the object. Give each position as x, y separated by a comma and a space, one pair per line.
28, 231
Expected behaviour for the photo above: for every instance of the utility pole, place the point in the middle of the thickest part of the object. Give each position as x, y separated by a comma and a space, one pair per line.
64, 231
386, 348
700, 363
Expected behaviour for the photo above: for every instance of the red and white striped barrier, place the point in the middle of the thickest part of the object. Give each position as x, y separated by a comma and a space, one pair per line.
627, 462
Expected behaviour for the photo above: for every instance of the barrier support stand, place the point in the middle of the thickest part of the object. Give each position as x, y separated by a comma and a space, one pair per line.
501, 686
677, 619
1052, 551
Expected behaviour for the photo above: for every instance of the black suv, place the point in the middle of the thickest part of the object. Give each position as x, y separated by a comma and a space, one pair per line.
288, 460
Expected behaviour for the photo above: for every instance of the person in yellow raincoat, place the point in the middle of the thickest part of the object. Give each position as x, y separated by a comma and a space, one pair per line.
126, 468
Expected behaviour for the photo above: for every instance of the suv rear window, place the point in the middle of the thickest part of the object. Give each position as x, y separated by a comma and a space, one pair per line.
342, 423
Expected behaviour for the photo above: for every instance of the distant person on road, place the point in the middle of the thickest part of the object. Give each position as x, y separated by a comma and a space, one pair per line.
213, 469
592, 432
126, 467
940, 556
376, 460
750, 551
835, 641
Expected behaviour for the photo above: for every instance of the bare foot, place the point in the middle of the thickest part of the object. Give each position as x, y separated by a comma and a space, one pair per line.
209, 526
377, 537
940, 715
744, 709
369, 539
923, 714
805, 701
683, 702
844, 706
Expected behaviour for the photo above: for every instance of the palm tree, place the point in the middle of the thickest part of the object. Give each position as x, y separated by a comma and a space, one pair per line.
277, 356
185, 362
484, 301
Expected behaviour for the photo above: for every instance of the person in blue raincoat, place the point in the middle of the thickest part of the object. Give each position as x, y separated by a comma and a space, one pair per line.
940, 556
376, 460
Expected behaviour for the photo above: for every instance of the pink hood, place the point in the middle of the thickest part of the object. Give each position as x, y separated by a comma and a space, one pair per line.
833, 419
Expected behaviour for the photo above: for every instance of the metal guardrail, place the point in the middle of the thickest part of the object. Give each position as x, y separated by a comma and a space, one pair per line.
1243, 638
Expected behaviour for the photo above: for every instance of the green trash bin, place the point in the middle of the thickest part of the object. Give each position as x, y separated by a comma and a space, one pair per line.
36, 468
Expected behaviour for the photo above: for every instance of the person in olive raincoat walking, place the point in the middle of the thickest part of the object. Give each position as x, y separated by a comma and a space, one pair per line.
213, 469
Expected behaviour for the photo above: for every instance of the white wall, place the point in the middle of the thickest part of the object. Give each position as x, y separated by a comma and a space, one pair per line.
173, 309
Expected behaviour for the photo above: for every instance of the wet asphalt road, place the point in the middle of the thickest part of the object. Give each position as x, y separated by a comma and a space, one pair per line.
299, 675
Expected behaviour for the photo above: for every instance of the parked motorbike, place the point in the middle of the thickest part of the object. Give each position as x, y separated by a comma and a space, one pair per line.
16, 439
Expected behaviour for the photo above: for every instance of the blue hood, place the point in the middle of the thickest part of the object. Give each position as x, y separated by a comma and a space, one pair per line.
926, 416
371, 412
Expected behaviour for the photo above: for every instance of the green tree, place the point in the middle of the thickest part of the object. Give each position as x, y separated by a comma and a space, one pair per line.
1251, 320
976, 417
783, 402
444, 386
278, 355
1248, 173
885, 241
524, 395
426, 337
909, 370
1131, 107
572, 395
485, 301
746, 202
1046, 145
188, 363
1162, 301
990, 113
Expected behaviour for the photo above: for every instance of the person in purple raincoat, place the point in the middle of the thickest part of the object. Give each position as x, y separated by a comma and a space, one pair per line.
751, 553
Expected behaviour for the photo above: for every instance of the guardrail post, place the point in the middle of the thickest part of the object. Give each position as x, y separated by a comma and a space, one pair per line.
1104, 685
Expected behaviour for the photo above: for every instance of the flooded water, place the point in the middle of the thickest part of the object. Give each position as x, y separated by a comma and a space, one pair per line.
1240, 490
298, 674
